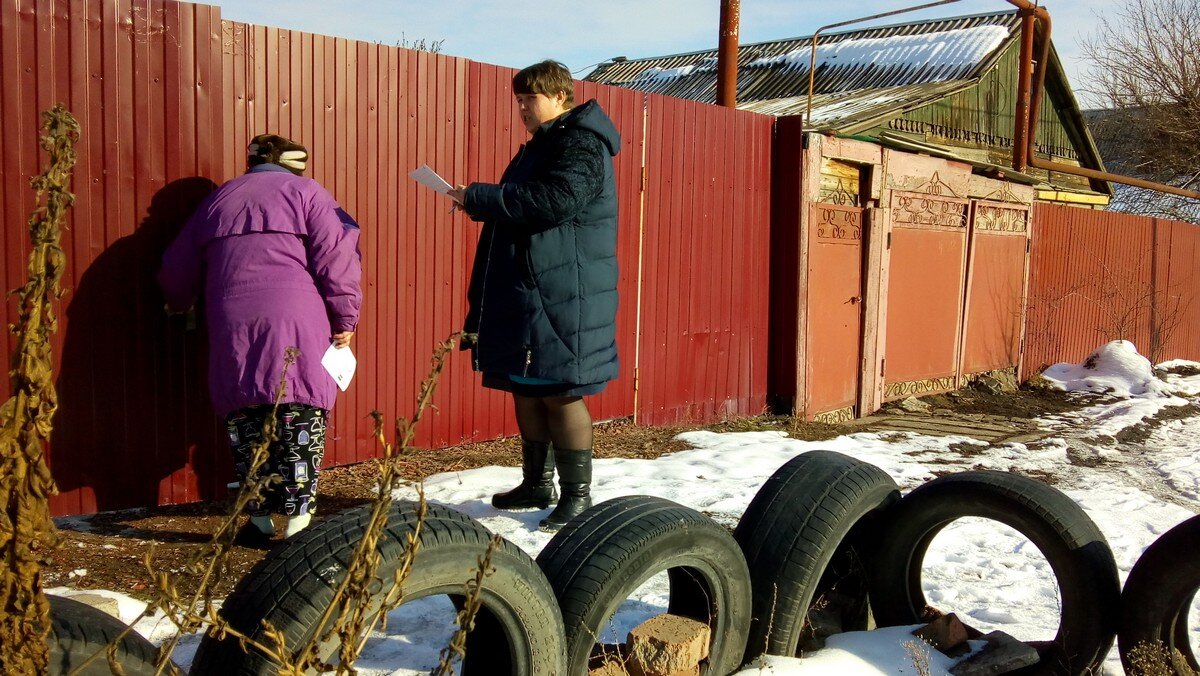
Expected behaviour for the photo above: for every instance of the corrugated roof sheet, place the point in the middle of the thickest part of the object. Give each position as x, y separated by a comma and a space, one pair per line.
857, 71
848, 110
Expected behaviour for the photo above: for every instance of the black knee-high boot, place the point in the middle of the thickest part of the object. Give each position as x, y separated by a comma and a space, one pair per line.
575, 479
537, 485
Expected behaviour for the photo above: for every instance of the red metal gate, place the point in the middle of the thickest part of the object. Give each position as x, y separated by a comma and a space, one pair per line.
835, 296
925, 291
994, 312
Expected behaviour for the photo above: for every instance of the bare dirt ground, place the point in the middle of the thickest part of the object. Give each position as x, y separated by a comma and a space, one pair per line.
107, 551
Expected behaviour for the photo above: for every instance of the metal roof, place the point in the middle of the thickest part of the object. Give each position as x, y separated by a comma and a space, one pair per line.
876, 69
855, 110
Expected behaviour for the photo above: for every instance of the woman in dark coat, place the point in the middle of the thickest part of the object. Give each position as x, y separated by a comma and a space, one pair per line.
543, 292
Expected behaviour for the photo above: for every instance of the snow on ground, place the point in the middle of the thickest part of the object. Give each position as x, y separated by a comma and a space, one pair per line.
988, 573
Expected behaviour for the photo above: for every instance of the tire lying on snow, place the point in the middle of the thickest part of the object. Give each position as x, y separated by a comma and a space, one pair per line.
518, 629
806, 538
1158, 596
1082, 562
78, 631
603, 555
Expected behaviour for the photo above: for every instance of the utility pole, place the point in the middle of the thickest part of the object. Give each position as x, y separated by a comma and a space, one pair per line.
727, 53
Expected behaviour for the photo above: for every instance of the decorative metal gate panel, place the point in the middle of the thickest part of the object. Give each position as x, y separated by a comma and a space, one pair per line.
925, 290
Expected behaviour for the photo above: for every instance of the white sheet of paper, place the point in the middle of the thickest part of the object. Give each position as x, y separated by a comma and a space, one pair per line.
430, 179
340, 363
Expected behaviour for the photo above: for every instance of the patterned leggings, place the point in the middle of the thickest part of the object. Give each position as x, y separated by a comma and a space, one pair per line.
295, 456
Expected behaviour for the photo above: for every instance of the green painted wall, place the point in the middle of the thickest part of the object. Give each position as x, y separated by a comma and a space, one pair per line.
981, 118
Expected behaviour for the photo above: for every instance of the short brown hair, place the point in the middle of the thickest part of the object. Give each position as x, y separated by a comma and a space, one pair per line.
547, 78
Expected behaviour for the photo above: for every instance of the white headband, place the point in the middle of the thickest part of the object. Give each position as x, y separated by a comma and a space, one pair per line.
294, 159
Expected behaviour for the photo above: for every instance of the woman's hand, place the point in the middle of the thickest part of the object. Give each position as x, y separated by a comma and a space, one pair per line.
459, 195
342, 339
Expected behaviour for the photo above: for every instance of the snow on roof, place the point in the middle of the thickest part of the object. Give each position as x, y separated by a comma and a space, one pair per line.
953, 48
926, 52
656, 74
840, 108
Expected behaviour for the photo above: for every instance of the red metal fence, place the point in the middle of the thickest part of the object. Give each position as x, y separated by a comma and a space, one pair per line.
144, 81
704, 289
168, 95
1097, 276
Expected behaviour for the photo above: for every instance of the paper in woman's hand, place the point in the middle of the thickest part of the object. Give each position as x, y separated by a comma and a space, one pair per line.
430, 179
340, 363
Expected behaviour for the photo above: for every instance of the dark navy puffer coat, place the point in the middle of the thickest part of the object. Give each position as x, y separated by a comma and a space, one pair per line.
543, 292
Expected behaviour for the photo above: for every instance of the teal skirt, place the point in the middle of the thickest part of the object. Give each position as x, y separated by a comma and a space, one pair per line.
536, 387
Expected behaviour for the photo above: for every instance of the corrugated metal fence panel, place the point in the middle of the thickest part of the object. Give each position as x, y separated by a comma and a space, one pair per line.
705, 263
138, 76
1090, 281
1179, 291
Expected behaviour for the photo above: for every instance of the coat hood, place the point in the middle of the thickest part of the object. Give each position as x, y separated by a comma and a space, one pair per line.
591, 117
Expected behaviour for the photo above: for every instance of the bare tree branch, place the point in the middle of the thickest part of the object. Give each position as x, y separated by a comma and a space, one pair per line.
1146, 66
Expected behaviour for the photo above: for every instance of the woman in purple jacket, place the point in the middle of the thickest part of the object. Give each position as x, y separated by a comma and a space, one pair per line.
278, 264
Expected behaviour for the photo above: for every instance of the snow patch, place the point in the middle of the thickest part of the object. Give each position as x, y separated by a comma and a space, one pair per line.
1116, 368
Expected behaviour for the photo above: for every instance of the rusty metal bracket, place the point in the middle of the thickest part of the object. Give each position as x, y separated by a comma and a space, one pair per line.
812, 62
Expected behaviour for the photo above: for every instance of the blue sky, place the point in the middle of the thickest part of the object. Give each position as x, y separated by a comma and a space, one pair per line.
581, 34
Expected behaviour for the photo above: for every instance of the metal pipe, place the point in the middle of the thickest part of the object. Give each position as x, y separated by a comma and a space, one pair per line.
1038, 89
727, 53
812, 62
1024, 77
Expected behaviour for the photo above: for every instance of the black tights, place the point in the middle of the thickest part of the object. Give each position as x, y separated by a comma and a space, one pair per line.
562, 421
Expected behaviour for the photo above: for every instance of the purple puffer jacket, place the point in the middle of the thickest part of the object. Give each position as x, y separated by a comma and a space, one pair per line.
280, 267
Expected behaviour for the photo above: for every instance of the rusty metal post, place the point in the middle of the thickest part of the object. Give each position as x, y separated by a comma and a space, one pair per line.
1024, 77
727, 53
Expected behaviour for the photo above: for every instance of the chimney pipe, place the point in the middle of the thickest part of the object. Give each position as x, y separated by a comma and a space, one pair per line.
727, 53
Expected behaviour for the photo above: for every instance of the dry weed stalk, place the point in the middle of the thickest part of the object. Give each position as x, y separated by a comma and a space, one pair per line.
762, 658
350, 616
26, 418
352, 599
918, 652
466, 617
1156, 659
209, 562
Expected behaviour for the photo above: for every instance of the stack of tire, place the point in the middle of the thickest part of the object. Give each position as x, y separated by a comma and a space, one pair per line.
824, 524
